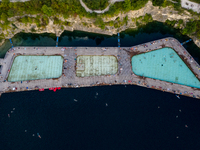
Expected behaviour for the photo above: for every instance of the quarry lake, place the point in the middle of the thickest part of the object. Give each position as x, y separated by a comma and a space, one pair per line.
108, 117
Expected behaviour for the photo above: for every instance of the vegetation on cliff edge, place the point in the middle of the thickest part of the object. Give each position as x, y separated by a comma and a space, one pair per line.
96, 4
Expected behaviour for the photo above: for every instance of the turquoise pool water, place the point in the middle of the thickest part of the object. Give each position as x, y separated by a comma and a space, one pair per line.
164, 64
35, 67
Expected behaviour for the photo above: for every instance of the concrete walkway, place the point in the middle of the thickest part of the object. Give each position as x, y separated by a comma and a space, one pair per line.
111, 2
124, 76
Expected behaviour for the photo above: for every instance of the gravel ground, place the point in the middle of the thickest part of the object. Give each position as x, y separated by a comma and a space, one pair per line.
190, 5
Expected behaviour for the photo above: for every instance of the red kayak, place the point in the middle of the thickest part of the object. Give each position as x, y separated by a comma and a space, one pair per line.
51, 88
59, 88
41, 89
55, 89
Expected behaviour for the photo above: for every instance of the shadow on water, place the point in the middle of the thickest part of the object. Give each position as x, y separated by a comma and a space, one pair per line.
152, 31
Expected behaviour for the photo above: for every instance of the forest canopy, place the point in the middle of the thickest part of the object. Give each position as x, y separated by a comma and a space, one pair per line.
96, 4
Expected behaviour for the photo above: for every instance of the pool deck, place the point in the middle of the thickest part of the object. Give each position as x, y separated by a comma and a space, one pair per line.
124, 76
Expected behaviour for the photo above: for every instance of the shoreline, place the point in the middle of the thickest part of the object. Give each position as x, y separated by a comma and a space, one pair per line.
124, 76
88, 24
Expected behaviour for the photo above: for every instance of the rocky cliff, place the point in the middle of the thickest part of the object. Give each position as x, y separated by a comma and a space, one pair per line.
87, 24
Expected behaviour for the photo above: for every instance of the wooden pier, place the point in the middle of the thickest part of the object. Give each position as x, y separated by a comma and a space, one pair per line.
124, 75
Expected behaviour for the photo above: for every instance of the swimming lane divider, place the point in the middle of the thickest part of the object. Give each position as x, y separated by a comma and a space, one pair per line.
11, 43
57, 41
118, 39
186, 41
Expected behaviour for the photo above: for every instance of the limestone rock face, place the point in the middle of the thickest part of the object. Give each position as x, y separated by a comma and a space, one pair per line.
76, 23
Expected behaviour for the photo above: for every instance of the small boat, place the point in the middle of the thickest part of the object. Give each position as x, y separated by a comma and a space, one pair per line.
75, 100
38, 135
51, 88
106, 104
9, 115
59, 88
177, 96
41, 89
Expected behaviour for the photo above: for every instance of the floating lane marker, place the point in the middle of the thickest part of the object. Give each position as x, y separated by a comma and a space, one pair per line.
186, 41
118, 39
57, 41
11, 43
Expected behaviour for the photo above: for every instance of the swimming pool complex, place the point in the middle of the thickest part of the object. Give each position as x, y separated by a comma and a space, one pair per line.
35, 67
164, 64
96, 65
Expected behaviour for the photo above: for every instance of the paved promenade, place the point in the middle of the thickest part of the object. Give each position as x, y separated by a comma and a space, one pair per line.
123, 76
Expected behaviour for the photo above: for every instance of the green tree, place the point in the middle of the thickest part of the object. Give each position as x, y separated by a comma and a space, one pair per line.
24, 20
99, 22
127, 5
5, 3
30, 20
47, 10
4, 17
96, 4
10, 13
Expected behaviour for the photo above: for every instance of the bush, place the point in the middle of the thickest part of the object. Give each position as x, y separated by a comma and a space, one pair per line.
67, 23
84, 24
4, 17
47, 10
99, 22
147, 18
190, 28
96, 4
24, 20
171, 23
45, 21
127, 5
33, 30
111, 23
37, 21
57, 21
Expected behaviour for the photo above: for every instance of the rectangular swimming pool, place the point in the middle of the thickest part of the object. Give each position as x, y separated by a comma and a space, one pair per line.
35, 67
96, 65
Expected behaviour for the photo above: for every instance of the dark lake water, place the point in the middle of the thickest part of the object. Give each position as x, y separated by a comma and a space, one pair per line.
135, 118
